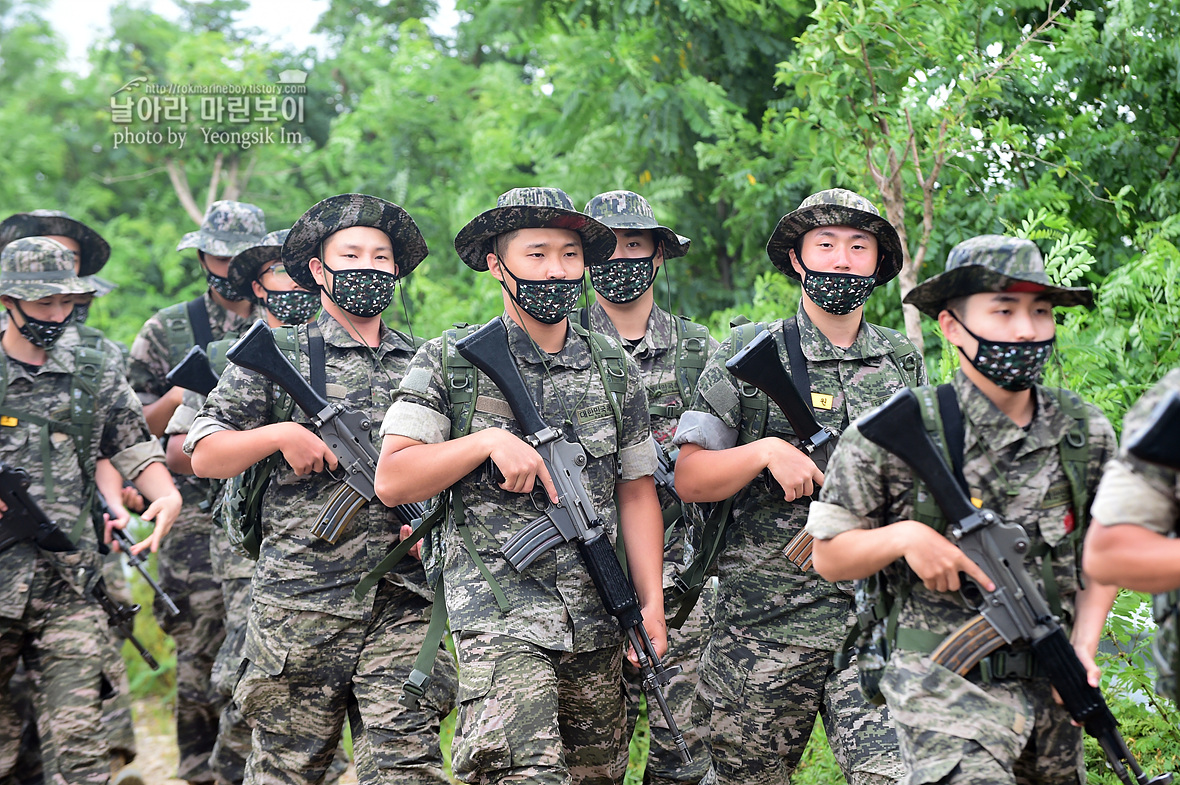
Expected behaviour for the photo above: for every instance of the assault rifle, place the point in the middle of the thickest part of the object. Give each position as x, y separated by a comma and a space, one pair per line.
1015, 612
25, 520
194, 372
136, 561
758, 364
1159, 441
573, 518
345, 431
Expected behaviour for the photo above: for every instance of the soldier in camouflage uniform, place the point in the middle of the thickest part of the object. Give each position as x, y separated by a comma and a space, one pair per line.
314, 654
994, 303
46, 616
540, 692
184, 566
625, 309
90, 252
767, 669
1142, 555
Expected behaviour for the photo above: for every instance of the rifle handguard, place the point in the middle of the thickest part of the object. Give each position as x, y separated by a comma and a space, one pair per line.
965, 647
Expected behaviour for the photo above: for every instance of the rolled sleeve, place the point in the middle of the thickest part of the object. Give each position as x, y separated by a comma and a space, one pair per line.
182, 419
202, 427
135, 459
704, 430
415, 421
1125, 497
825, 521
638, 460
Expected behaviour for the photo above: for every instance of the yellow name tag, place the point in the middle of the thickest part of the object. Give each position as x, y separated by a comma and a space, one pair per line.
977, 502
821, 400
9, 421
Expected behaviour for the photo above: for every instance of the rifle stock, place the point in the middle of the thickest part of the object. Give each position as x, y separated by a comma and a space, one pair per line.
1015, 609
573, 518
1159, 441
194, 372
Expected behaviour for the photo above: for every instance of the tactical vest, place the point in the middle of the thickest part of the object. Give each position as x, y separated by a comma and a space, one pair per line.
755, 411
187, 325
881, 597
90, 360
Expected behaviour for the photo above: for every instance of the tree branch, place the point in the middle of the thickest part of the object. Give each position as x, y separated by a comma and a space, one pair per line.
1171, 160
231, 189
183, 192
1050, 20
213, 181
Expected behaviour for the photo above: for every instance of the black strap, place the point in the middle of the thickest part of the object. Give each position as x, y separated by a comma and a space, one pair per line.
584, 318
316, 360
198, 319
798, 362
952, 429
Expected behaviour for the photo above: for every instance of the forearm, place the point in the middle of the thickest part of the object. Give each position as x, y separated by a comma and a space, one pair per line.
714, 475
109, 482
225, 454
859, 553
642, 527
1091, 607
1133, 557
159, 412
412, 471
155, 482
178, 462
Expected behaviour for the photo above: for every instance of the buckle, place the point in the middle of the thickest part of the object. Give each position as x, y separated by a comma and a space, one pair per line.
413, 689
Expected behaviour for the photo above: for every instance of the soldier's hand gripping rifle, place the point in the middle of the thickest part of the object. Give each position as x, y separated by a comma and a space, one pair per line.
757, 364
573, 518
194, 372
345, 431
1159, 441
25, 520
1014, 611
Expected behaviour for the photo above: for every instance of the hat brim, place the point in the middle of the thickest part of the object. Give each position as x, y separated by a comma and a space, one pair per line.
794, 225
244, 268
930, 296
35, 290
101, 286
343, 212
216, 246
473, 243
95, 250
675, 245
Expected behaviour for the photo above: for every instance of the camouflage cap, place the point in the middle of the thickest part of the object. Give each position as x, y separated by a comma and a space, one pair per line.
228, 229
39, 223
993, 263
36, 267
532, 208
835, 207
629, 210
101, 286
341, 212
245, 267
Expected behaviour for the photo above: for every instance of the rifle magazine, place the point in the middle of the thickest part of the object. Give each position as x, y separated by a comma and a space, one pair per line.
798, 550
531, 542
965, 647
344, 503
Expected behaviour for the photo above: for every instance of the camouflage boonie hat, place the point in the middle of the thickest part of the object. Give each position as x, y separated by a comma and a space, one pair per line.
629, 210
836, 207
36, 267
342, 212
246, 266
228, 229
532, 208
101, 286
95, 251
993, 263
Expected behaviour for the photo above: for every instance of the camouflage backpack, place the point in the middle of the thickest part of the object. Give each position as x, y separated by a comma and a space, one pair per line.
880, 597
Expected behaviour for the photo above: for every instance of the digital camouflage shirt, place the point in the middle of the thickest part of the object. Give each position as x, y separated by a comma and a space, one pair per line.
296, 569
763, 596
120, 434
152, 359
655, 354
552, 603
1018, 474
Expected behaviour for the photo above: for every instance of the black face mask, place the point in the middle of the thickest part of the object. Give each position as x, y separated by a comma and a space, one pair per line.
222, 286
1011, 365
81, 313
40, 332
622, 280
547, 301
837, 293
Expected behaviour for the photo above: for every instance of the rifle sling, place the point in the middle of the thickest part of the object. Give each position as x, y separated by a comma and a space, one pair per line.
952, 428
316, 360
798, 362
198, 319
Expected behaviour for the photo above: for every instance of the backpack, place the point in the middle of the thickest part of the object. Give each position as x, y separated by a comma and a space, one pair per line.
187, 325
755, 411
880, 597
91, 358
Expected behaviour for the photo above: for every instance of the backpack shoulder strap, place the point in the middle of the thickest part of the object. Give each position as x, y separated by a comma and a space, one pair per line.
461, 380
198, 319
1075, 455
904, 353
179, 330
755, 406
611, 362
930, 399
692, 352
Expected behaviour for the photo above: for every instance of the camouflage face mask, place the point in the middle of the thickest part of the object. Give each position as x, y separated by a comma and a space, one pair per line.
222, 286
292, 307
40, 332
837, 293
1011, 365
623, 280
363, 293
546, 301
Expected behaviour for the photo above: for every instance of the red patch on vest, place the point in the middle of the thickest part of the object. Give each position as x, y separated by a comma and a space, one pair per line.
1069, 521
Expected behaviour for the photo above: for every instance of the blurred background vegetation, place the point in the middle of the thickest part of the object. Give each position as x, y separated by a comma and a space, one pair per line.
1057, 121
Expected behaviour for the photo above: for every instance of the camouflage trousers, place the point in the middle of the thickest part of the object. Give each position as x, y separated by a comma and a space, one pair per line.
305, 672
684, 649
759, 701
530, 714
63, 643
187, 575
